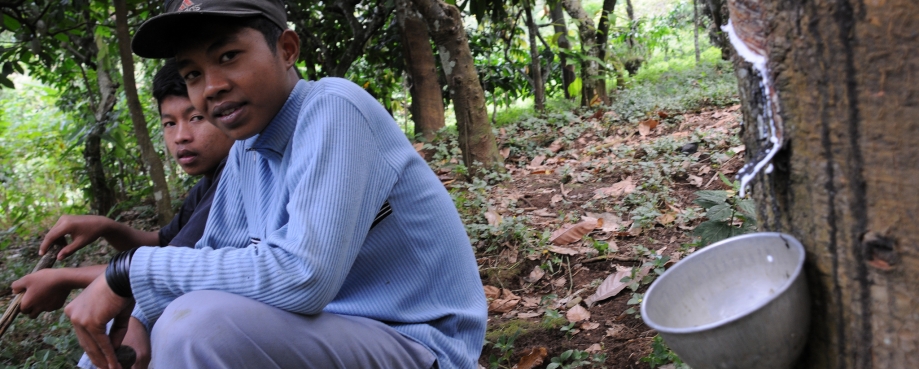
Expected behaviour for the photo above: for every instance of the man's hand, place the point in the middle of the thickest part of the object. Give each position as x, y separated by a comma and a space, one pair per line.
89, 313
44, 290
138, 338
83, 230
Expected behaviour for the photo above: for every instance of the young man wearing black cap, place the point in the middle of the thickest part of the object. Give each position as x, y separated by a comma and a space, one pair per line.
291, 271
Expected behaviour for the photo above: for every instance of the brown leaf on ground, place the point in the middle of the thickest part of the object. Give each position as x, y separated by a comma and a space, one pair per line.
577, 314
418, 146
666, 218
695, 180
506, 302
544, 213
560, 282
492, 292
528, 315
505, 152
537, 161
494, 219
564, 250
535, 275
662, 114
593, 349
533, 358
555, 146
611, 222
620, 188
573, 232
610, 287
616, 330
645, 127
555, 199
589, 326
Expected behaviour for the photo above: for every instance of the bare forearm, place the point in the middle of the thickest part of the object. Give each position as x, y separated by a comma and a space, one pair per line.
122, 237
81, 277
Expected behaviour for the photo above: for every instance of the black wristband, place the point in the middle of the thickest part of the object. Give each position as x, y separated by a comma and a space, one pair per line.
117, 274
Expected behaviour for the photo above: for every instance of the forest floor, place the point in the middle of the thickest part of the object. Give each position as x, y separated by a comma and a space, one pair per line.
586, 199
591, 199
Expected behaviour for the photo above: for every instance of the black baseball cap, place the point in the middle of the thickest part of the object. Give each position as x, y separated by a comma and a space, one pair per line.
158, 37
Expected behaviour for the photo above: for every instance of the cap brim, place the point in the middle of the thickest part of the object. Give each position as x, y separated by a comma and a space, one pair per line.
160, 36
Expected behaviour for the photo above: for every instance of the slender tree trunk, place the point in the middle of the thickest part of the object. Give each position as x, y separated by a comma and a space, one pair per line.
560, 27
602, 38
588, 32
476, 139
695, 29
718, 11
539, 88
631, 13
427, 102
151, 159
843, 183
103, 197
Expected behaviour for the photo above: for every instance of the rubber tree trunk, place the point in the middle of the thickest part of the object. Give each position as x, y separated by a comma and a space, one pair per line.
589, 68
717, 10
561, 28
427, 103
844, 74
695, 28
476, 139
539, 88
151, 159
103, 197
602, 38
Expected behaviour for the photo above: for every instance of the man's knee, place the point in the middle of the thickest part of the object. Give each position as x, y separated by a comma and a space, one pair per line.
193, 317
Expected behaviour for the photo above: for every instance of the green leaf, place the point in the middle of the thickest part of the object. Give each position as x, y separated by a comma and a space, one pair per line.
720, 212
748, 208
574, 89
6, 82
712, 231
554, 39
708, 199
10, 23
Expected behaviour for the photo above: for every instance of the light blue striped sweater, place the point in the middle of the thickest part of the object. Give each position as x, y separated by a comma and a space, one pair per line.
308, 187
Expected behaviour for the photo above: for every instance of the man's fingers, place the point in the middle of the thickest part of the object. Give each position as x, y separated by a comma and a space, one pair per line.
90, 346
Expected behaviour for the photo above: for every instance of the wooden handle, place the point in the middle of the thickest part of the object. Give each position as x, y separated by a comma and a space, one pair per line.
12, 311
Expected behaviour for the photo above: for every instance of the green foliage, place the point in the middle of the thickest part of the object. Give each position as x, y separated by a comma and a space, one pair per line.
724, 210
570, 359
505, 345
662, 355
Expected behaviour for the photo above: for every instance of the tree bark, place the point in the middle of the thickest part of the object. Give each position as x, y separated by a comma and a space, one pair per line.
427, 103
843, 183
718, 11
587, 30
602, 38
695, 28
539, 88
151, 159
558, 23
103, 198
476, 139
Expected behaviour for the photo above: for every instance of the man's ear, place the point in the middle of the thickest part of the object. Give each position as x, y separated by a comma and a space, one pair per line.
289, 47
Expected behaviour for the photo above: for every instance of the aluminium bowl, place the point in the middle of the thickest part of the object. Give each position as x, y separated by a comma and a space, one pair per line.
740, 303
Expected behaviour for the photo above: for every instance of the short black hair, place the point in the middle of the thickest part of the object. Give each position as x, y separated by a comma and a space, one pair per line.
167, 82
267, 28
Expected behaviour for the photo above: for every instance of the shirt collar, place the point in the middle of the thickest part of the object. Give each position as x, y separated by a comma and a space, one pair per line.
277, 134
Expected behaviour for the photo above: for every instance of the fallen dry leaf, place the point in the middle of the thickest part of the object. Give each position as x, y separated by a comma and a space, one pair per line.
620, 188
492, 292
505, 152
532, 358
555, 199
537, 161
531, 302
506, 302
645, 127
560, 282
564, 250
535, 275
615, 330
589, 326
695, 180
528, 315
577, 314
494, 219
544, 213
593, 349
610, 287
573, 232
418, 146
666, 218
556, 146
611, 222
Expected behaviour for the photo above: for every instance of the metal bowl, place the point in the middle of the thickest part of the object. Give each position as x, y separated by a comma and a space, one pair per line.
739, 303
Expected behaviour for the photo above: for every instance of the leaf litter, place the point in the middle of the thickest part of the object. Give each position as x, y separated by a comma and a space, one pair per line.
588, 212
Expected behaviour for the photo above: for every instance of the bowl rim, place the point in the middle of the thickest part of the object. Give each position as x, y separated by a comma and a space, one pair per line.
789, 241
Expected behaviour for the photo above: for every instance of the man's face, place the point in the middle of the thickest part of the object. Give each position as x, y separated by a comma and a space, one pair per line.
235, 80
194, 143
